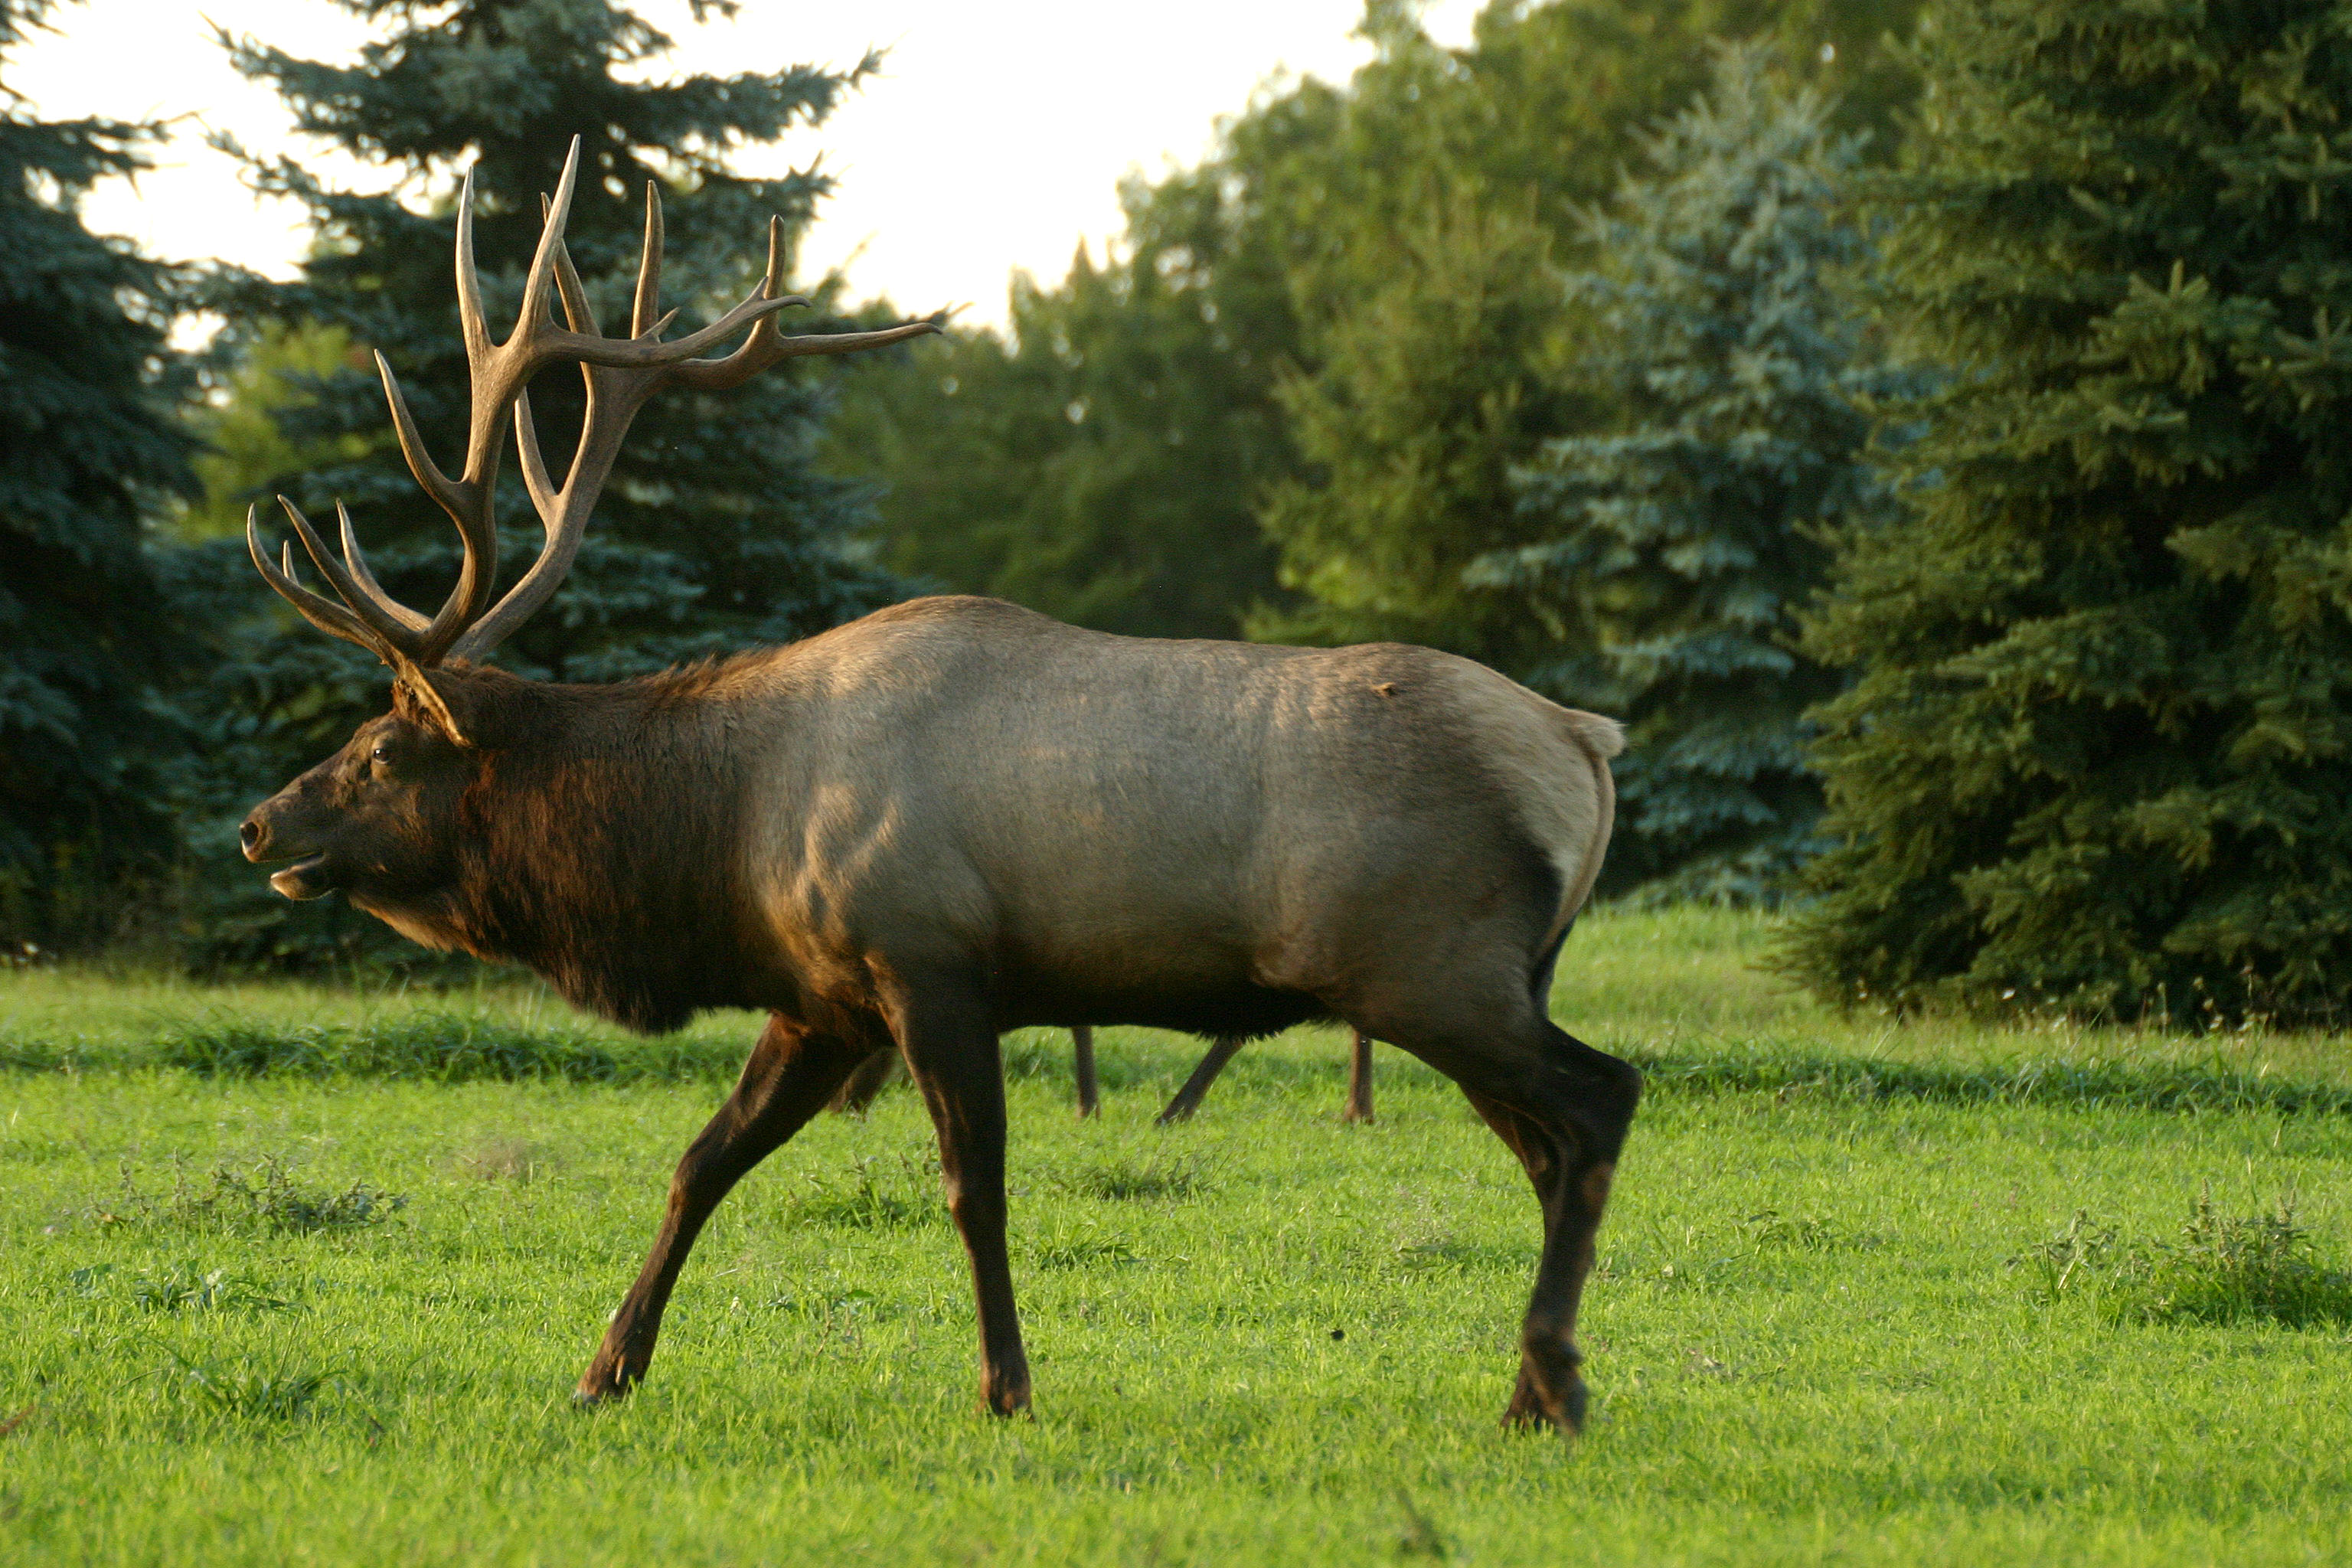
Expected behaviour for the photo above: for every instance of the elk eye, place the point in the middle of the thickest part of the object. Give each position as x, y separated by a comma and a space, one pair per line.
381, 754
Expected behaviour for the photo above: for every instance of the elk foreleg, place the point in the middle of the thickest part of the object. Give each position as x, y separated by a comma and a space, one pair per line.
952, 1049
1082, 1062
1196, 1088
790, 1075
1360, 1081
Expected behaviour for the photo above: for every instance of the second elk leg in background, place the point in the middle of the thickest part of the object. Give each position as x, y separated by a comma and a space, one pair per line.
1196, 1088
1082, 1040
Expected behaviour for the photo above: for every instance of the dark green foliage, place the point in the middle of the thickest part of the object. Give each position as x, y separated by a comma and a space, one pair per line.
715, 532
86, 448
1673, 548
2094, 755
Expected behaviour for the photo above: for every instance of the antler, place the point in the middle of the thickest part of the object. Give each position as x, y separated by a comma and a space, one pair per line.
621, 374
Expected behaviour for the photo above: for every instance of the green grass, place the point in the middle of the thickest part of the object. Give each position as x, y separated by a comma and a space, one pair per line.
1824, 1328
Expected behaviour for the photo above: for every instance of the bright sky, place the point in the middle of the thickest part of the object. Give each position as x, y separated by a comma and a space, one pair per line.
994, 139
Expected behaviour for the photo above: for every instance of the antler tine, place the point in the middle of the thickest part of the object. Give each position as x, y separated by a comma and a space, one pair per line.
766, 345
324, 613
551, 243
647, 299
470, 320
579, 310
387, 628
357, 564
562, 513
426, 472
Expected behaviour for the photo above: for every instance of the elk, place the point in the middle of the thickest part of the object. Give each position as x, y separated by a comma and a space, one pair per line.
948, 819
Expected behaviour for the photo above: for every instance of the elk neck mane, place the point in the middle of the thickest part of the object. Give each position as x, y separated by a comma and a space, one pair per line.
599, 839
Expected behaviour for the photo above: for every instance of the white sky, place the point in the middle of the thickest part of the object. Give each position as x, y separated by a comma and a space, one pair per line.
993, 139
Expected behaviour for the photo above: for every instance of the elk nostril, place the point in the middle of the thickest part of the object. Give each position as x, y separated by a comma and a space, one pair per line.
249, 835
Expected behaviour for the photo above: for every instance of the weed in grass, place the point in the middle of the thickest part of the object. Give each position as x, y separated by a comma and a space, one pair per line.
1131, 1178
182, 1286
244, 1391
2217, 1269
877, 1193
1770, 1230
1082, 1250
502, 1159
268, 1199
1416, 1536
1448, 1254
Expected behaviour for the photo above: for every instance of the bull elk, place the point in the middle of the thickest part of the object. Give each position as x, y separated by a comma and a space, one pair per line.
950, 819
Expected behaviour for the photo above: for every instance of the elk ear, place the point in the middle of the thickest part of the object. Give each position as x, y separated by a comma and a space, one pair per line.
416, 698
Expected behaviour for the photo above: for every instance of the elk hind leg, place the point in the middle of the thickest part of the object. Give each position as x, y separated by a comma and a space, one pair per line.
790, 1075
1360, 1080
1196, 1088
1564, 1109
1082, 1065
867, 1080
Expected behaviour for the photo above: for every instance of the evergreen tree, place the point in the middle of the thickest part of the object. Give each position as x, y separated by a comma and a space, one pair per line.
1675, 547
1450, 185
86, 448
2096, 752
717, 531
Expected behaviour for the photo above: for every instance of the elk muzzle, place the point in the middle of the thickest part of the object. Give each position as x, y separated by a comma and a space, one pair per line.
263, 839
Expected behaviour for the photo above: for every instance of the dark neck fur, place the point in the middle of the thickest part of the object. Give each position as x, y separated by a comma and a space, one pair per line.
599, 846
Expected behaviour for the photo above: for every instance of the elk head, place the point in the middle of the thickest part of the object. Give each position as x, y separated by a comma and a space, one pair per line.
380, 819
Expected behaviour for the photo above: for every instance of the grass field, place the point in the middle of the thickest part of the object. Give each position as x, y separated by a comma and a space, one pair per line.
305, 1276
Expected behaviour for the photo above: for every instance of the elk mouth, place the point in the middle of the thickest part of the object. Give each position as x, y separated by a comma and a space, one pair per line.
305, 878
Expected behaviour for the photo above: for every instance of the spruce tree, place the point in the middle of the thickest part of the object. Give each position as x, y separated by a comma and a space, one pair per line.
86, 449
2097, 752
1674, 548
717, 530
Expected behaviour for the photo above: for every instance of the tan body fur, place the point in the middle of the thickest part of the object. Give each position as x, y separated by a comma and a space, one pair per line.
1136, 831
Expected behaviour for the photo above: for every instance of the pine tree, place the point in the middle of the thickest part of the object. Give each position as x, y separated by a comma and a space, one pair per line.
2096, 752
717, 530
86, 449
1674, 548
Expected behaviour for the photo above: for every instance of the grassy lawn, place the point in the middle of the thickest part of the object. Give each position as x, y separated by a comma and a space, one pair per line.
1819, 1332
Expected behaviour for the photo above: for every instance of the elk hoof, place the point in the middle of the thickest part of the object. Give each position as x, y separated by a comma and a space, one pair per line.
1533, 1409
602, 1388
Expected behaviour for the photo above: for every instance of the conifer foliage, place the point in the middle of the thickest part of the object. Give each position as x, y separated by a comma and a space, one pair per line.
86, 443
2098, 750
1674, 548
